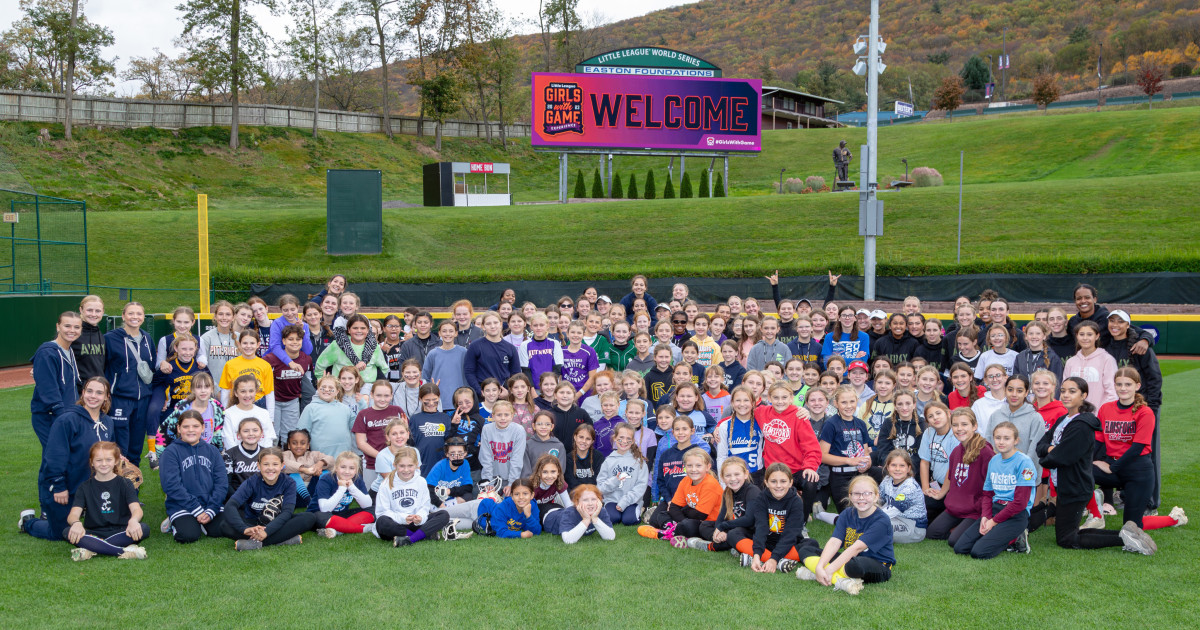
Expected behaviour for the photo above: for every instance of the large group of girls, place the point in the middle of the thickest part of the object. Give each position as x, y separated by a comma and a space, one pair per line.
712, 431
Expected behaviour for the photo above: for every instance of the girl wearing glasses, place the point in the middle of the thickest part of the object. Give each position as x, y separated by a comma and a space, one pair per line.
860, 549
994, 378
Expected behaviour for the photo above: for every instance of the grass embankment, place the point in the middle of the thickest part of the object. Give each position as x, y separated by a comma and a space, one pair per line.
593, 583
1074, 193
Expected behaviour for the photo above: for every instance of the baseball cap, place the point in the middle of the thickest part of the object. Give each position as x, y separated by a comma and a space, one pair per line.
662, 307
604, 298
857, 365
878, 314
803, 301
1121, 314
863, 311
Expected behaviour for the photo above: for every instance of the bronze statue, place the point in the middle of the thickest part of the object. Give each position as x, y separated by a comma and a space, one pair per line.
841, 161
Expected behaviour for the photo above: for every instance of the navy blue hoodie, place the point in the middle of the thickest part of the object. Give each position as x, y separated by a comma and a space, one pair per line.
193, 479
56, 379
487, 359
245, 508
71, 438
120, 366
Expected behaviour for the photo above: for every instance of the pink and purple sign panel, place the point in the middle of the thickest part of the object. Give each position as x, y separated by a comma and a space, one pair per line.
597, 110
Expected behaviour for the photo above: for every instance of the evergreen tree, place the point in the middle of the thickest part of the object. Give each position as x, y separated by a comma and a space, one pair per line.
617, 192
703, 192
597, 185
580, 190
632, 193
685, 187
719, 188
650, 192
669, 189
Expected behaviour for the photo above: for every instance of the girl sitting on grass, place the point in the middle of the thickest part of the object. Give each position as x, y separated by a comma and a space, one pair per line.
106, 517
860, 549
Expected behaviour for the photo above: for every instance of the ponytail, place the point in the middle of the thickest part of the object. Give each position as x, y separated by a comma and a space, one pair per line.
1132, 374
975, 443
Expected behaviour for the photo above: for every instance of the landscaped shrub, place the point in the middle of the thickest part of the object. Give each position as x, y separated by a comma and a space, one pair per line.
580, 190
703, 183
685, 187
719, 187
617, 192
651, 193
923, 176
597, 185
632, 193
815, 182
669, 189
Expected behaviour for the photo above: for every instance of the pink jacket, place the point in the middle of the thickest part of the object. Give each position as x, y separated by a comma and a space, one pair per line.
1098, 370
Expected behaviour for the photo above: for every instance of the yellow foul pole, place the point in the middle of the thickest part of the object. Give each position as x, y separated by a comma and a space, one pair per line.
202, 220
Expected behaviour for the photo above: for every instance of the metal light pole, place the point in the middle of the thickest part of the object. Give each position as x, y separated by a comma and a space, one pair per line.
872, 145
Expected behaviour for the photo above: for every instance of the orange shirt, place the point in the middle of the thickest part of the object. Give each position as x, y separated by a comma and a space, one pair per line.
705, 497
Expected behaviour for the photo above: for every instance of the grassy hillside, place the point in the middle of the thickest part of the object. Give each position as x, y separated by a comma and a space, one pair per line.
1081, 192
495, 583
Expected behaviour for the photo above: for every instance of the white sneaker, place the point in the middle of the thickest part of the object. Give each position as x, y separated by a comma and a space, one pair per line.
1136, 540
645, 515
369, 528
26, 516
327, 532
851, 586
133, 552
1178, 514
165, 526
699, 544
747, 559
1093, 522
804, 574
80, 554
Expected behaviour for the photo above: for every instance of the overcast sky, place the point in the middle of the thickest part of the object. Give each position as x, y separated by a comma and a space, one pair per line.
140, 26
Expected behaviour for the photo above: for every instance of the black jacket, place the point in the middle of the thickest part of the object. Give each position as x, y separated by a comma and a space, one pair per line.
1145, 364
1072, 458
938, 354
565, 423
895, 350
89, 353
781, 519
742, 500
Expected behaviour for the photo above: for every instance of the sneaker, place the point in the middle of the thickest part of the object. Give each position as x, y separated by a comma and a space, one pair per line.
747, 559
786, 566
804, 532
679, 542
401, 541
668, 532
734, 552
1178, 514
369, 528
327, 532
1021, 544
803, 573
646, 531
699, 544
152, 457
165, 526
648, 513
1093, 522
1136, 540
294, 540
851, 586
26, 516
817, 508
247, 545
133, 552
79, 554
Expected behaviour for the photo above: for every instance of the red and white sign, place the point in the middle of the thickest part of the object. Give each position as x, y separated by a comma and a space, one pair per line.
481, 167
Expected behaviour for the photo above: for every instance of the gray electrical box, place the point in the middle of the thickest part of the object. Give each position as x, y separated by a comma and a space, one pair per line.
870, 217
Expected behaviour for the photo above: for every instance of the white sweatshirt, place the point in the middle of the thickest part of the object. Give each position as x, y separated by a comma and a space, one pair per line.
397, 499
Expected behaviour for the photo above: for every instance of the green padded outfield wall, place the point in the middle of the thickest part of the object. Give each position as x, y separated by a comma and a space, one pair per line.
28, 322
353, 211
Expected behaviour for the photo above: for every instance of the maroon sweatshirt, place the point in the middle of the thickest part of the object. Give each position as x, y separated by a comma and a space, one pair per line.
966, 482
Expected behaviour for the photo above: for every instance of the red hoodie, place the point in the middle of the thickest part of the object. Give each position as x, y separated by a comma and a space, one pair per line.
788, 439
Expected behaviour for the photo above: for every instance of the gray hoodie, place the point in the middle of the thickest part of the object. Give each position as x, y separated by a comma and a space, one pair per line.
502, 451
535, 447
1030, 429
623, 479
763, 353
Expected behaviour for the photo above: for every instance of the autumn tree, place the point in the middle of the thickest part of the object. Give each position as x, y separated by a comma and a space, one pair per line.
1150, 80
307, 44
162, 77
975, 73
223, 38
383, 18
38, 48
949, 94
1045, 90
439, 97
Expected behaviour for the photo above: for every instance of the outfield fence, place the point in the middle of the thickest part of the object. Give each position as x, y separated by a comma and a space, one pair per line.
129, 113
43, 244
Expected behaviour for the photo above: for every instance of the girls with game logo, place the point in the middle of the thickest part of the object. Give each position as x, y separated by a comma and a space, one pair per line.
788, 439
65, 458
965, 477
1007, 497
845, 446
903, 501
738, 434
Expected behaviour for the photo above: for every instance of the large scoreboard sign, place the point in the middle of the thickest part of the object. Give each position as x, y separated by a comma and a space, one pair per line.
612, 111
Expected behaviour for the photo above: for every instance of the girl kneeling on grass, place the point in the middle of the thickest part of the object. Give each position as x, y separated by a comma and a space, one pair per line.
1007, 497
404, 513
262, 511
624, 475
335, 496
587, 515
106, 517
735, 521
1066, 451
863, 536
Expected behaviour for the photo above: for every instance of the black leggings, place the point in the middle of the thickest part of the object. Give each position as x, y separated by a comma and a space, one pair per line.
839, 486
1136, 478
296, 525
389, 529
948, 527
187, 529
1068, 535
859, 567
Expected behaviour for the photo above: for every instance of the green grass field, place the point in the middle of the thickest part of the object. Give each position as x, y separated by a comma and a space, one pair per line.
629, 582
1077, 193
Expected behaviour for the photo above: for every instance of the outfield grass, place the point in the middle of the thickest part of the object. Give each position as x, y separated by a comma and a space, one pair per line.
631, 581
